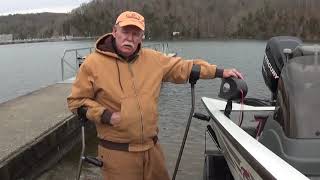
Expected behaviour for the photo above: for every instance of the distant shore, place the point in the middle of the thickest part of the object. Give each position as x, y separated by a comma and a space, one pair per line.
20, 41
146, 40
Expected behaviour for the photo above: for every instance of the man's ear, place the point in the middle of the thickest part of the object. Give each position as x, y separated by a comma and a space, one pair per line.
114, 29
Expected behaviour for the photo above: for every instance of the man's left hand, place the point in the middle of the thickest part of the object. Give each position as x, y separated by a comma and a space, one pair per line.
232, 73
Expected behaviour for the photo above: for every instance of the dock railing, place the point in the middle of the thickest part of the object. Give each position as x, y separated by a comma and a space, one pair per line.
162, 47
72, 58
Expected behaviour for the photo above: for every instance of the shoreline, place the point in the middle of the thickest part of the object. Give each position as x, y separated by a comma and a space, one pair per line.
146, 40
46, 40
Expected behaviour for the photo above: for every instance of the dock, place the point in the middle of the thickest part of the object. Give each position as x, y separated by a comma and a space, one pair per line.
36, 131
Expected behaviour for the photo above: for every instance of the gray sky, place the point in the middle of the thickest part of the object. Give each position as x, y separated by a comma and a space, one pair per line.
34, 6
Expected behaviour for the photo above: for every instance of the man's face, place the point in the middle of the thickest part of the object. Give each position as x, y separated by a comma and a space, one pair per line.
127, 39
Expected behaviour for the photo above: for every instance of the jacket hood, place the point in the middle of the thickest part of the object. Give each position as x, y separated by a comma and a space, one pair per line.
106, 45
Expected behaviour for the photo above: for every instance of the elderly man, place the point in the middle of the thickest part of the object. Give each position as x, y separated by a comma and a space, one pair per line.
119, 84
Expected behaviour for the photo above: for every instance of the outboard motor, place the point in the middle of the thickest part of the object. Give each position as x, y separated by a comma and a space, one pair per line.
298, 94
293, 133
274, 60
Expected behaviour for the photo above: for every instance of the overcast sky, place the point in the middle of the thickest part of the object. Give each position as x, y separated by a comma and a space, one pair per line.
34, 6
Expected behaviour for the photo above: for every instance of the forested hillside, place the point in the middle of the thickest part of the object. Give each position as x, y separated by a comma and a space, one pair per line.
257, 19
40, 25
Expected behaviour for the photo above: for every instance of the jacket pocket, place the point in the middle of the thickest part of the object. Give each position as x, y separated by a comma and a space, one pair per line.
150, 115
129, 115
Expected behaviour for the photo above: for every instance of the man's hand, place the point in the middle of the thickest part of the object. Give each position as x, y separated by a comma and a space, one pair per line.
232, 73
115, 118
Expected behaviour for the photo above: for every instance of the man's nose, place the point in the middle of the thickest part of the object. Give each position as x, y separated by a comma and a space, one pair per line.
130, 36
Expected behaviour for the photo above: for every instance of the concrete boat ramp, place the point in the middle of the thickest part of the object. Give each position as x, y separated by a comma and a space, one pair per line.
36, 130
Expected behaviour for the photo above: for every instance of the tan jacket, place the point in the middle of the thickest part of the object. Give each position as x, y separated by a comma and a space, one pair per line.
105, 81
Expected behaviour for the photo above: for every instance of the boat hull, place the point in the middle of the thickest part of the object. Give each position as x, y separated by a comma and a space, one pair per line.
246, 157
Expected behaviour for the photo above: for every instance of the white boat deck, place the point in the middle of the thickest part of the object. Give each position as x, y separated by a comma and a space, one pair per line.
276, 166
221, 105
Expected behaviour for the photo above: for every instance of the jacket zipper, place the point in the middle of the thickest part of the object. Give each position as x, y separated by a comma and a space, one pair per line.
139, 104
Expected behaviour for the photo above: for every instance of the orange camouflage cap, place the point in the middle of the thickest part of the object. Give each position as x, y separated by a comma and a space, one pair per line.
130, 18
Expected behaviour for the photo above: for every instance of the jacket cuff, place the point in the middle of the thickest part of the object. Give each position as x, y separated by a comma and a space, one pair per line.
219, 73
106, 117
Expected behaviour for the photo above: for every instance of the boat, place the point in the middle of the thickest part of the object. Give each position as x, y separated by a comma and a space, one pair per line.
285, 143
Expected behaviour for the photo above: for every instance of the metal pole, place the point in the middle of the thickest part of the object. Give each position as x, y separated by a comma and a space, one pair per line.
77, 61
185, 133
82, 152
62, 69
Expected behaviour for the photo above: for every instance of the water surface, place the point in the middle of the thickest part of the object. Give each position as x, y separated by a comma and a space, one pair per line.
27, 67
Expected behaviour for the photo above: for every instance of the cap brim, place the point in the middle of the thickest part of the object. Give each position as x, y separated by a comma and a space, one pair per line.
133, 23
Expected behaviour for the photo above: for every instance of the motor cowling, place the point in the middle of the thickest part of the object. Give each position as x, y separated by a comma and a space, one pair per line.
274, 59
298, 91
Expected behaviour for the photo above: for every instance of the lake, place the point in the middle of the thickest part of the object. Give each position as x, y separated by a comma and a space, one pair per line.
28, 67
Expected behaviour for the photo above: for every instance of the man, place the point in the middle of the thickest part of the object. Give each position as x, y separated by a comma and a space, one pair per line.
119, 84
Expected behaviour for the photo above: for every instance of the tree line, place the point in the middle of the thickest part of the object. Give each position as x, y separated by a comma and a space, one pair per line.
256, 19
